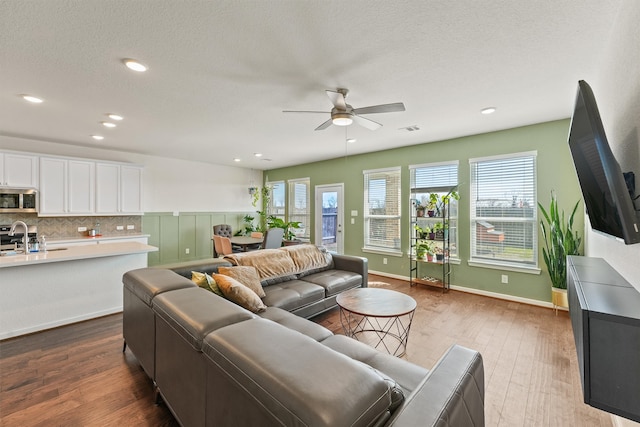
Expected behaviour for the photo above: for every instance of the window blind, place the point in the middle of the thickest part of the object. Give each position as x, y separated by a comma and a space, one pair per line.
434, 175
504, 210
382, 210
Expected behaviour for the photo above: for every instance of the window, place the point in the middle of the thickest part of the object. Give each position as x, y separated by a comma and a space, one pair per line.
504, 211
382, 210
299, 206
438, 178
276, 206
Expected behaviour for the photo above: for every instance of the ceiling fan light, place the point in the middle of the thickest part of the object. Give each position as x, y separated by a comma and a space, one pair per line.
342, 119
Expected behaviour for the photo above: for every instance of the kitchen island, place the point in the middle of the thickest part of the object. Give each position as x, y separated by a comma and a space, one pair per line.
74, 280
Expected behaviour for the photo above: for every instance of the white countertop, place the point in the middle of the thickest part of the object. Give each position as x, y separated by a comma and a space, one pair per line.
88, 239
76, 253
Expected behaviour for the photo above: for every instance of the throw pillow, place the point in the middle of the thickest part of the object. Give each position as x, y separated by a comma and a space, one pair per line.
248, 276
239, 293
205, 281
199, 279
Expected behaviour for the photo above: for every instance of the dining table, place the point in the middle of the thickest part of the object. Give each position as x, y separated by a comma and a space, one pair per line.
245, 242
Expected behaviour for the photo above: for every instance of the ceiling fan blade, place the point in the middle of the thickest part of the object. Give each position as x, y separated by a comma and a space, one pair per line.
325, 125
337, 99
368, 123
384, 108
300, 111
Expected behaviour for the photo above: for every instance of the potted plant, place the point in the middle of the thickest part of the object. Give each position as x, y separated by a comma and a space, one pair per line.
439, 254
419, 209
560, 240
440, 230
247, 226
420, 251
289, 235
429, 253
423, 248
422, 232
432, 204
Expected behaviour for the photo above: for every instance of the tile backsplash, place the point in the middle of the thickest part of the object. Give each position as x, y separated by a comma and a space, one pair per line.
65, 227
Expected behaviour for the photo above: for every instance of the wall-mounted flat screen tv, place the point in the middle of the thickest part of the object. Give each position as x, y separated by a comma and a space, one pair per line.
608, 199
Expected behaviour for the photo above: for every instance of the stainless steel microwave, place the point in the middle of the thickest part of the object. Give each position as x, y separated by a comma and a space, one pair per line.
15, 200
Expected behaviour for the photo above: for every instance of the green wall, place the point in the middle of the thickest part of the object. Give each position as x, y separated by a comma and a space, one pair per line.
174, 235
555, 171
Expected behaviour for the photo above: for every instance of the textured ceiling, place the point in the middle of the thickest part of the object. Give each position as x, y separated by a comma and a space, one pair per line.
221, 72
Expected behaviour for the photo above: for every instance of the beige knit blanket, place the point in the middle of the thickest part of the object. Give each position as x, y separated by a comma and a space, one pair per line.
271, 263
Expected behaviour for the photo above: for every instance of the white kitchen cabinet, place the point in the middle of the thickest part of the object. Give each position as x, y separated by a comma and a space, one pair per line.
107, 188
131, 189
67, 187
53, 186
118, 189
81, 187
18, 170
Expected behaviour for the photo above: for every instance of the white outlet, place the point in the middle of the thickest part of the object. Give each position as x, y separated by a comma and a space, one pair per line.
353, 220
505, 278
131, 227
119, 227
186, 251
81, 229
384, 261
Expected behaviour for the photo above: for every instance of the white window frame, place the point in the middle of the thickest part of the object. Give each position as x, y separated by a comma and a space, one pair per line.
299, 209
372, 244
523, 195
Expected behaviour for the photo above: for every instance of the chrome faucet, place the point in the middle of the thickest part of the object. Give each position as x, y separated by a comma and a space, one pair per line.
25, 238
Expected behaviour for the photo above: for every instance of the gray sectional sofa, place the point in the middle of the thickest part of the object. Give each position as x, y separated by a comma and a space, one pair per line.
216, 363
302, 279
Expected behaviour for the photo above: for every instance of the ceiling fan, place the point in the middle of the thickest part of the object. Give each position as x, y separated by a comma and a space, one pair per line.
343, 114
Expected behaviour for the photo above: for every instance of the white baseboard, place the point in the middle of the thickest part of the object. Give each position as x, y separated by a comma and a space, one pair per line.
61, 322
497, 295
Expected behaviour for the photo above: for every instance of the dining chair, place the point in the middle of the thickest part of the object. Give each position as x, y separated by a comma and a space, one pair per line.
217, 246
273, 238
222, 246
225, 230
226, 245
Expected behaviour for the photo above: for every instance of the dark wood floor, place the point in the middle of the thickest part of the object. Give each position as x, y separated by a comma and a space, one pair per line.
78, 376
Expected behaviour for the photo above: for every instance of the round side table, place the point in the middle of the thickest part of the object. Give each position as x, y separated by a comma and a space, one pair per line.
380, 317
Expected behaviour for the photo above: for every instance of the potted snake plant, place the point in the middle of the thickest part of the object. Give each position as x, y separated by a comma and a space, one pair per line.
560, 240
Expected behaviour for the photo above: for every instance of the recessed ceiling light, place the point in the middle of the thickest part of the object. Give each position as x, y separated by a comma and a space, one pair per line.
115, 117
351, 140
134, 65
97, 137
33, 99
488, 110
108, 124
236, 159
257, 154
